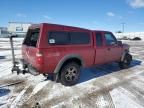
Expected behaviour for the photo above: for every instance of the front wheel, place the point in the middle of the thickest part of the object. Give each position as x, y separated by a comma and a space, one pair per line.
70, 74
126, 61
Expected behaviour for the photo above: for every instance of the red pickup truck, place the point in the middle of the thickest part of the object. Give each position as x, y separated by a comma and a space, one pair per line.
61, 51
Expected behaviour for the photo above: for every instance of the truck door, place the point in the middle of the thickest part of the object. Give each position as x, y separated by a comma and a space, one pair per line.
113, 50
100, 49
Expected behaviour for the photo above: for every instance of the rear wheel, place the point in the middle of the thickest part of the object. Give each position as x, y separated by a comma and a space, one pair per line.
70, 74
126, 62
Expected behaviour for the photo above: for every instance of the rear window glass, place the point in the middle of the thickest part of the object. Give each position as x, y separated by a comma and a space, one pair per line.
31, 37
59, 38
79, 38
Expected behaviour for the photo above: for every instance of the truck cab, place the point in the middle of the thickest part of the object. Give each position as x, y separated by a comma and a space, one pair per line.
107, 47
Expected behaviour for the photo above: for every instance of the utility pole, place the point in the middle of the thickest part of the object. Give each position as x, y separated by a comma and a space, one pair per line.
123, 27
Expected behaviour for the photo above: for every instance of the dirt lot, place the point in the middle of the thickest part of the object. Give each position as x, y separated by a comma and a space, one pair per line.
101, 86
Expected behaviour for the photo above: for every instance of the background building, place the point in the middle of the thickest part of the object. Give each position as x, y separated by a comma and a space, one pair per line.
3, 32
19, 28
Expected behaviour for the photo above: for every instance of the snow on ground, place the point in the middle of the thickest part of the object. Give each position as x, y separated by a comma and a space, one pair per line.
100, 86
4, 68
121, 100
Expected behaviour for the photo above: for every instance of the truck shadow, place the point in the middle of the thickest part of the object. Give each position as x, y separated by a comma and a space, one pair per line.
98, 71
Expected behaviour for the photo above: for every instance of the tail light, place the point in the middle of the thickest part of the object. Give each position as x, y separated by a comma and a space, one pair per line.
39, 57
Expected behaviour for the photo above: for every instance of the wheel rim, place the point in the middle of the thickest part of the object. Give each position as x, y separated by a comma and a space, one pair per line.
71, 73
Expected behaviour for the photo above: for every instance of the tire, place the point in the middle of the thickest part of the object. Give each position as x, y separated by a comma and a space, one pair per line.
126, 62
70, 74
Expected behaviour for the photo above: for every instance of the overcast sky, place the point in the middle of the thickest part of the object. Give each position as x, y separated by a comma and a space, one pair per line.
92, 14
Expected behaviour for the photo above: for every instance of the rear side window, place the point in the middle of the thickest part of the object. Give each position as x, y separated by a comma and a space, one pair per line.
59, 38
79, 38
32, 37
99, 39
65, 38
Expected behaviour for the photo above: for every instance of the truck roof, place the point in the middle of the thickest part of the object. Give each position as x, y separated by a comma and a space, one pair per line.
72, 27
100, 31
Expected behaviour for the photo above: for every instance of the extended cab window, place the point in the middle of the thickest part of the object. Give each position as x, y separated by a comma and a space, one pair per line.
59, 38
110, 39
79, 38
99, 39
31, 37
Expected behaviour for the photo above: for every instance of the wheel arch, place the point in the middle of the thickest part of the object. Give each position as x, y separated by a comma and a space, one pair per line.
69, 58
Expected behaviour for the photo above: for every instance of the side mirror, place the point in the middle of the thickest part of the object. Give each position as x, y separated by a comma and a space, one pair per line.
119, 43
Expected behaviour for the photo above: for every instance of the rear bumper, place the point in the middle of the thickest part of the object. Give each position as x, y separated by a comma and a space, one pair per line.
32, 70
28, 68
